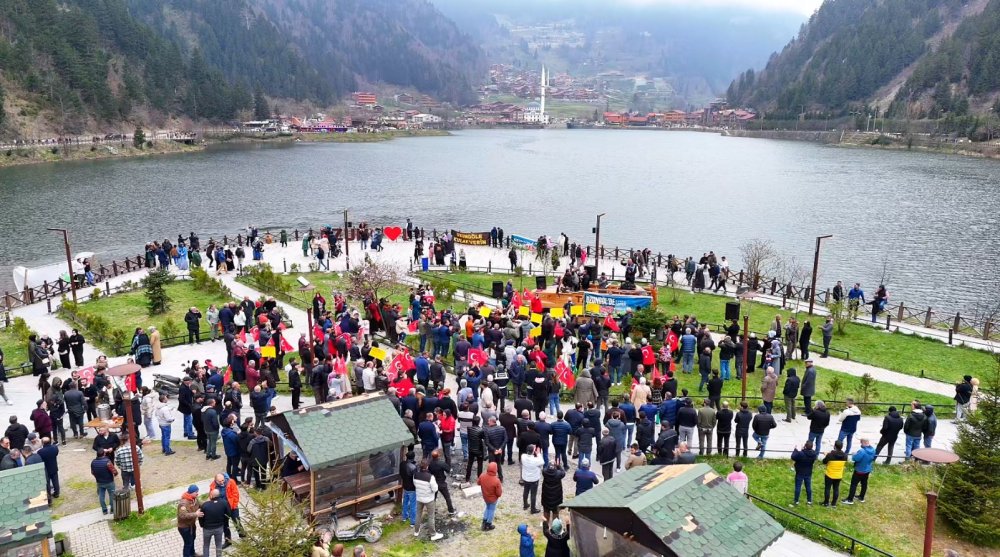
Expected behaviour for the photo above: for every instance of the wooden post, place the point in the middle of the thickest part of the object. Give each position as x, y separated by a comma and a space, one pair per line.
44, 544
107, 287
774, 285
741, 277
958, 321
929, 524
114, 268
987, 329
45, 288
927, 318
743, 366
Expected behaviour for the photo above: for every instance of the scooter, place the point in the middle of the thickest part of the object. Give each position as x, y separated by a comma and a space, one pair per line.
166, 384
368, 527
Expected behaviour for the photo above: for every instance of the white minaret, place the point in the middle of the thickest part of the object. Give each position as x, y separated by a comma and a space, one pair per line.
545, 80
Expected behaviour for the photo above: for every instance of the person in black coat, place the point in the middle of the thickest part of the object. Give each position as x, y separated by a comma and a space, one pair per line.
552, 490
753, 347
804, 336
790, 392
185, 403
295, 385
723, 427
644, 432
742, 421
477, 449
892, 424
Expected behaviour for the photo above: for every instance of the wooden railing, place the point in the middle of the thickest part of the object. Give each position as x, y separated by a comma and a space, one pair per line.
60, 287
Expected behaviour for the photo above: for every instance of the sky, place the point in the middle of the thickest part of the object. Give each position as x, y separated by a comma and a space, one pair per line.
804, 7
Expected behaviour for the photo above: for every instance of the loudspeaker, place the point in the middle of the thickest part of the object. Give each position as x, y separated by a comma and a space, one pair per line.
497, 289
732, 310
591, 272
540, 282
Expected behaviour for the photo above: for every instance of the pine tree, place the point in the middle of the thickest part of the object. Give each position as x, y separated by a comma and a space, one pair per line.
261, 111
970, 492
274, 525
155, 284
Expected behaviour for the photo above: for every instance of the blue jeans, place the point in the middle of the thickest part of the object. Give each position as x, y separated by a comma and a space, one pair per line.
817, 440
928, 439
465, 445
724, 369
630, 428
187, 534
806, 481
769, 406
912, 442
410, 506
109, 489
687, 361
553, 404
423, 342
491, 510
188, 426
704, 381
165, 438
616, 373
762, 440
545, 454
849, 435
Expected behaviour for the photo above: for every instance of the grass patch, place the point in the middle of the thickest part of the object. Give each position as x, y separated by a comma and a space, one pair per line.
156, 519
908, 354
891, 518
15, 352
126, 311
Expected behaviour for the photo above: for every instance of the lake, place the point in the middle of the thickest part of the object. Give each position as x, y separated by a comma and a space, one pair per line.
931, 220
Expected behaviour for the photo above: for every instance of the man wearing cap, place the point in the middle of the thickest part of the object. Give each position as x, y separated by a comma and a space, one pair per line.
187, 513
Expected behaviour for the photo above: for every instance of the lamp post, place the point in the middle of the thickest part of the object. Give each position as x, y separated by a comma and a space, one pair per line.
347, 243
932, 456
123, 371
69, 259
597, 244
812, 290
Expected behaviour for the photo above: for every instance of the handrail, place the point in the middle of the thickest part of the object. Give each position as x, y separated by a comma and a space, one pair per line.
854, 541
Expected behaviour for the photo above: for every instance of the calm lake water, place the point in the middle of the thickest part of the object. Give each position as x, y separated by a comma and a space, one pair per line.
932, 219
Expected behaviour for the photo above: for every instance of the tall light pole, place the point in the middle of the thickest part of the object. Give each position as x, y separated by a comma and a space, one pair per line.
812, 290
347, 243
69, 259
597, 244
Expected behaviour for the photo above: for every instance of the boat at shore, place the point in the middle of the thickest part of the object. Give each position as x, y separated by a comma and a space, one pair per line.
35, 277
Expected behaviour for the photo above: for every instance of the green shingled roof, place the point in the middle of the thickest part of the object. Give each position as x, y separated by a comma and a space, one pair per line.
340, 431
689, 507
24, 508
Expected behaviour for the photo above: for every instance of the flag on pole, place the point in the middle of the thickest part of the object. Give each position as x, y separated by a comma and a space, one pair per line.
610, 323
565, 375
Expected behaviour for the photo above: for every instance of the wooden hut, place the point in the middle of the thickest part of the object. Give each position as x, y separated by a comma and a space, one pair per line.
25, 517
350, 448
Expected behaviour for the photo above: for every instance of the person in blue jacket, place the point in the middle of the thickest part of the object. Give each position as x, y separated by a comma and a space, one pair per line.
527, 546
231, 446
863, 460
668, 410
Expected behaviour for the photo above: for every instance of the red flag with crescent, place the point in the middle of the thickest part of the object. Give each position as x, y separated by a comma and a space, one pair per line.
565, 375
648, 355
539, 358
610, 323
477, 357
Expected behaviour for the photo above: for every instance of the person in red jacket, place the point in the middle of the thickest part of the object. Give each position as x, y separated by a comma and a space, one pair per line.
492, 490
40, 417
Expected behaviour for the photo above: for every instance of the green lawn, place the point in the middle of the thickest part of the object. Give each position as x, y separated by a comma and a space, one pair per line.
891, 518
15, 352
156, 519
127, 311
907, 354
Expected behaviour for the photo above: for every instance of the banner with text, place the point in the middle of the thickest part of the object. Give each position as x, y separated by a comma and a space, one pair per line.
609, 303
471, 238
523, 242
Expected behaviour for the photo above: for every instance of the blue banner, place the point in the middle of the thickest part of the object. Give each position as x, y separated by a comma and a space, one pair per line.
523, 242
613, 303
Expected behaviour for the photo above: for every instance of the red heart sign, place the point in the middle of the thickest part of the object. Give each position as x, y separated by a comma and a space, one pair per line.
393, 232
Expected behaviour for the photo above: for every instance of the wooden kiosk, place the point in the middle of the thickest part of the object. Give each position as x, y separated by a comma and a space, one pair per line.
350, 448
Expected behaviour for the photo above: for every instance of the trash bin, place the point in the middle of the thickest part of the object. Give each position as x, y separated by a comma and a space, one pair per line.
122, 504
425, 263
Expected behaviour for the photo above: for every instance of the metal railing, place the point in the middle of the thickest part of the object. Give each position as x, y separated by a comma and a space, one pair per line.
852, 545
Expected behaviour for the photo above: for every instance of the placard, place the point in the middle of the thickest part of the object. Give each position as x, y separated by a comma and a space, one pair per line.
536, 332
536, 318
523, 311
268, 352
593, 308
377, 353
576, 310
557, 313
471, 238
485, 311
607, 304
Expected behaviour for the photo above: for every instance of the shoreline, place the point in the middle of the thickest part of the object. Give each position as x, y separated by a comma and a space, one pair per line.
871, 140
73, 153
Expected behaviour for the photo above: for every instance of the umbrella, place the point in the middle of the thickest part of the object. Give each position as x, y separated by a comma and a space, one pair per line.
123, 370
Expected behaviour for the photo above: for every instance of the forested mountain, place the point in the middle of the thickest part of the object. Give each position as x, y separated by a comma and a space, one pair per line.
855, 52
400, 42
72, 66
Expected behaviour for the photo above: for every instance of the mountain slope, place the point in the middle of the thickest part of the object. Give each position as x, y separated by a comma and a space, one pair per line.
847, 51
400, 42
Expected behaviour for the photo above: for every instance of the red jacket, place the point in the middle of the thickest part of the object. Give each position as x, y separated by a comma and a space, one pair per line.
490, 483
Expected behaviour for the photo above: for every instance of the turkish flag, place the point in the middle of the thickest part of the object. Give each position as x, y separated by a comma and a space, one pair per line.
397, 367
407, 360
255, 333
340, 366
657, 374
477, 357
243, 336
565, 375
528, 295
610, 323
672, 341
648, 356
539, 357
517, 300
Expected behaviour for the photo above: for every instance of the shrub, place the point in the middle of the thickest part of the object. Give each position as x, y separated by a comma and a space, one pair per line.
867, 390
835, 388
170, 328
267, 280
119, 338
96, 294
648, 320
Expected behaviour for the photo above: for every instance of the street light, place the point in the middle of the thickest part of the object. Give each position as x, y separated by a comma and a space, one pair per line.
812, 290
124, 370
347, 243
597, 244
69, 259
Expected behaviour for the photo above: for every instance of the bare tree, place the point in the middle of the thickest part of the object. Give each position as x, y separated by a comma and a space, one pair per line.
759, 258
373, 278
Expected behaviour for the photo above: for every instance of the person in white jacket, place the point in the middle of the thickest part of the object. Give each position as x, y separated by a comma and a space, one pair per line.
165, 417
426, 488
531, 473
